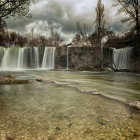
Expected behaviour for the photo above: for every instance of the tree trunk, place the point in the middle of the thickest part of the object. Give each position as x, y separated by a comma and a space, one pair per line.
137, 19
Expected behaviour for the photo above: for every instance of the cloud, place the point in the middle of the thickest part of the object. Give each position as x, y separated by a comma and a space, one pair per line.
62, 15
39, 27
17, 23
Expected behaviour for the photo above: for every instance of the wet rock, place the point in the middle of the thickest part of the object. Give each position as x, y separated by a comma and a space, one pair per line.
102, 123
135, 104
69, 125
8, 79
8, 76
51, 138
50, 81
137, 133
57, 128
88, 131
42, 80
8, 138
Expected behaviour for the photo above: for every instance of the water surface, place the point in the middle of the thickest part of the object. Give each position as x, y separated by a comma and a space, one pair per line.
48, 111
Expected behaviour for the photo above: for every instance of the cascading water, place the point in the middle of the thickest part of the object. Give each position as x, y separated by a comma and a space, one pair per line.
122, 57
2, 52
67, 66
26, 58
36, 58
10, 58
48, 58
67, 57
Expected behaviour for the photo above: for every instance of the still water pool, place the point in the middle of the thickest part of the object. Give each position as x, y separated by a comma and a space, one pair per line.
46, 111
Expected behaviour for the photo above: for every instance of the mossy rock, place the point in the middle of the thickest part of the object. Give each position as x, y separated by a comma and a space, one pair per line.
8, 79
8, 76
7, 82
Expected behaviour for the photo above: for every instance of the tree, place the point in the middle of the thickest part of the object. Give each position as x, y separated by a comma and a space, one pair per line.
100, 22
21, 41
55, 38
4, 39
42, 41
132, 9
13, 8
82, 30
77, 38
13, 38
93, 39
2, 25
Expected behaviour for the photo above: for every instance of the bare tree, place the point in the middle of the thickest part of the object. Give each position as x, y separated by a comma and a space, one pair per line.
4, 39
2, 25
13, 38
42, 40
82, 30
14, 7
100, 22
76, 39
132, 9
55, 37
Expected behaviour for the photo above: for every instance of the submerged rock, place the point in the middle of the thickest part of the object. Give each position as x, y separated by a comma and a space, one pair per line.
8, 76
42, 80
9, 79
135, 104
50, 81
57, 128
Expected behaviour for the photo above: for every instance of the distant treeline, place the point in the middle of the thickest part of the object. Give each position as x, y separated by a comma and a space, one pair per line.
111, 40
8, 39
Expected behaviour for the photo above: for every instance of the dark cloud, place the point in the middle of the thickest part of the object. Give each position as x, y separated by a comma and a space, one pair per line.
62, 15
18, 23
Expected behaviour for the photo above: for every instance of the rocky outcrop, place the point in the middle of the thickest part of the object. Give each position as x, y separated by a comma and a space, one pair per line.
9, 79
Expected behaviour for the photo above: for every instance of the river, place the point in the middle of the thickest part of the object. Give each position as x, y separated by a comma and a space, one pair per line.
48, 111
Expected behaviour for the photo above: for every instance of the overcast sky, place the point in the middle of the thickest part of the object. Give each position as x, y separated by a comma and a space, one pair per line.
62, 15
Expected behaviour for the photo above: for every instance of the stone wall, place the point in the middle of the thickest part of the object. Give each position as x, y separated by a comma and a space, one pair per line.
81, 57
61, 58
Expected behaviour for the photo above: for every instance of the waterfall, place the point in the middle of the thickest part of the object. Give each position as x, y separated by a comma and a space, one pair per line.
122, 58
20, 58
2, 52
10, 58
36, 57
48, 58
67, 57
16, 58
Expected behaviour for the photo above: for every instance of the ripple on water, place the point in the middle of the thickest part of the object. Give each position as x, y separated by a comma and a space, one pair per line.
49, 111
